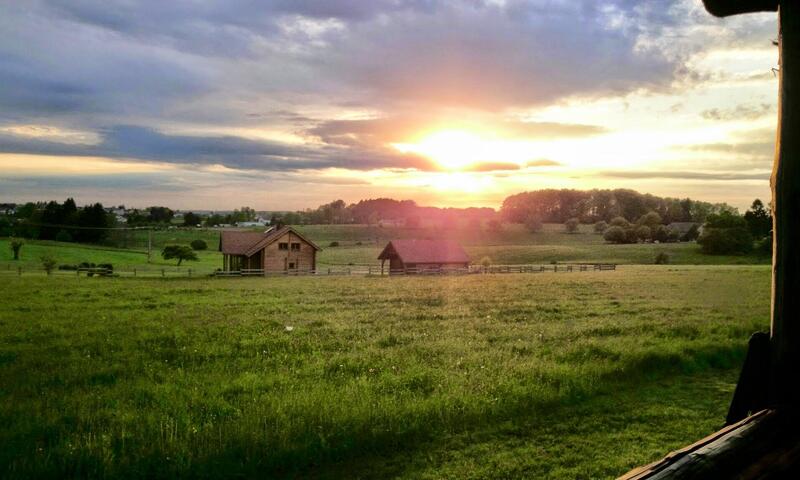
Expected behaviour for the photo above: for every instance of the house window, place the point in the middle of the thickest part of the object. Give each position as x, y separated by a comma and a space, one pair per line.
295, 247
291, 265
283, 246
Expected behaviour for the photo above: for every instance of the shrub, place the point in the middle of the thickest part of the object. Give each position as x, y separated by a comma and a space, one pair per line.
651, 219
764, 246
16, 245
109, 267
662, 258
494, 226
690, 235
48, 263
571, 225
660, 234
615, 234
199, 244
726, 241
68, 267
86, 265
333, 244
643, 232
63, 236
180, 252
600, 227
358, 243
533, 223
619, 222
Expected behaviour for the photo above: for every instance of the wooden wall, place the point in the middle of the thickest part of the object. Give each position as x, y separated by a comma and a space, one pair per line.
276, 260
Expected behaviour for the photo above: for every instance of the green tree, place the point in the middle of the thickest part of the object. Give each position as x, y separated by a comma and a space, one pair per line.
191, 220
572, 225
48, 263
759, 219
16, 245
179, 252
533, 223
199, 244
615, 234
600, 227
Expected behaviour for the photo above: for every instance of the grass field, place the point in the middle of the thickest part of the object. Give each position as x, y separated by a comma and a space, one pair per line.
581, 375
361, 244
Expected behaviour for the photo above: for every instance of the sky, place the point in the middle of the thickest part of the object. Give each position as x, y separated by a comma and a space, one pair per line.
289, 104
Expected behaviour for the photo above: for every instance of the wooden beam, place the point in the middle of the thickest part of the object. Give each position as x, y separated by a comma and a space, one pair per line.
725, 8
785, 331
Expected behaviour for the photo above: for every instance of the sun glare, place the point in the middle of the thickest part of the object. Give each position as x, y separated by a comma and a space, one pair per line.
451, 149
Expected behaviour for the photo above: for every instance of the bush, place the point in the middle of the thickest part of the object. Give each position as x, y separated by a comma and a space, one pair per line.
48, 263
16, 245
533, 223
600, 227
726, 241
358, 244
691, 235
63, 236
199, 244
571, 225
109, 267
68, 267
86, 265
643, 233
660, 234
651, 219
764, 246
619, 222
662, 259
615, 234
333, 244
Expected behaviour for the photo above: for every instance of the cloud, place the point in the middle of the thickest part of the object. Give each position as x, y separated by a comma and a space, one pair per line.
685, 175
739, 113
542, 163
132, 142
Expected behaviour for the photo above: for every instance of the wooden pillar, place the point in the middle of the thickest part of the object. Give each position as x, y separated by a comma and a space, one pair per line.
785, 348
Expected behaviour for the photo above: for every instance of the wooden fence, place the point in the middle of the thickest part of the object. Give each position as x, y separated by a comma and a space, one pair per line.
350, 270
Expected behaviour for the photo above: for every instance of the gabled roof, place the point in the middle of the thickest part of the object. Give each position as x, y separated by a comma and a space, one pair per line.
233, 242
425, 251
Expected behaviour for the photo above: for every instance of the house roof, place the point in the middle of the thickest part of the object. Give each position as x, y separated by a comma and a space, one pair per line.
682, 227
234, 242
425, 251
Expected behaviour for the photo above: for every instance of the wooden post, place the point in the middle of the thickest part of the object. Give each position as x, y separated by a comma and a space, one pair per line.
784, 387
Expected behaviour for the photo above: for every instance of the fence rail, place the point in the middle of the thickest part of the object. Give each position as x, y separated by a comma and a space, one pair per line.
355, 270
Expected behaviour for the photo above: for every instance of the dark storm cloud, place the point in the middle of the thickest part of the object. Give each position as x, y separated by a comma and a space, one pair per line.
137, 143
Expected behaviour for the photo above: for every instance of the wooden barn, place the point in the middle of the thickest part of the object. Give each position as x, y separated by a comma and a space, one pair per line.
274, 251
415, 256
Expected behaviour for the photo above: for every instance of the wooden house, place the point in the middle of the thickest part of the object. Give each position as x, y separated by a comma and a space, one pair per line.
414, 256
273, 251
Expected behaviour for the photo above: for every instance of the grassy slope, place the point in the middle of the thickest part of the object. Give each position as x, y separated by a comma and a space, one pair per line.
361, 244
476, 377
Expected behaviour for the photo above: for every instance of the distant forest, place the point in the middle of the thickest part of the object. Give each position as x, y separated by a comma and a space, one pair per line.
548, 206
89, 224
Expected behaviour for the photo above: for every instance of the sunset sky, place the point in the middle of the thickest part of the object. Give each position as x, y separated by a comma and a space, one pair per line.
287, 104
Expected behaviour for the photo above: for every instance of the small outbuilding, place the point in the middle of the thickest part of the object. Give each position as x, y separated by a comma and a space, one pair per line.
419, 256
273, 251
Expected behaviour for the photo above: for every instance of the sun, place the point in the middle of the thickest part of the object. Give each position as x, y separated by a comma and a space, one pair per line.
452, 149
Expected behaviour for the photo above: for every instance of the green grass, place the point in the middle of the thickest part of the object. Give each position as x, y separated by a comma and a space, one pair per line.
438, 377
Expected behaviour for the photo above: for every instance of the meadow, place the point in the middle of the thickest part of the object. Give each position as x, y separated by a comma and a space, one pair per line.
345, 245
574, 375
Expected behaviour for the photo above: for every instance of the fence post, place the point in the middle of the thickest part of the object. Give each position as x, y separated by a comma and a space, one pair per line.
190, 272
19, 271
134, 272
162, 272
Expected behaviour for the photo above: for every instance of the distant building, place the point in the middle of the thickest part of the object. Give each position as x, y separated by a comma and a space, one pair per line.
412, 256
683, 228
273, 251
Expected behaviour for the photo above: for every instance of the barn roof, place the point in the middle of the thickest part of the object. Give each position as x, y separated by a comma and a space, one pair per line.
233, 242
425, 251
